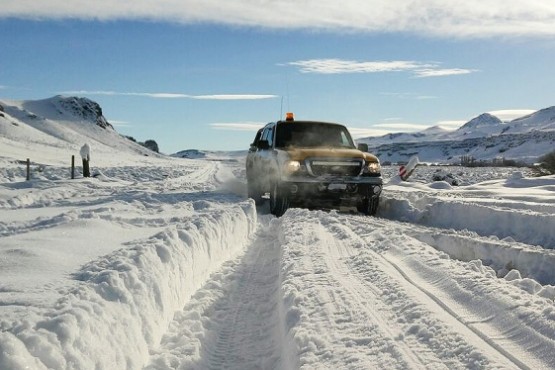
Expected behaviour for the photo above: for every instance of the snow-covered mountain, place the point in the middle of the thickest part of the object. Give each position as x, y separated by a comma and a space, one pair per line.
484, 137
482, 126
542, 120
57, 127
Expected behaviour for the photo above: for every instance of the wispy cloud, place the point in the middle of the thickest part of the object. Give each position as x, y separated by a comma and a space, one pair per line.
336, 66
401, 126
448, 18
176, 95
358, 132
341, 66
511, 114
234, 97
380, 129
238, 126
442, 72
451, 124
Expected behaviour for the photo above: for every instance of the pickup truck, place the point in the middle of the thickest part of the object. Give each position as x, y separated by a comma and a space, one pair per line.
312, 164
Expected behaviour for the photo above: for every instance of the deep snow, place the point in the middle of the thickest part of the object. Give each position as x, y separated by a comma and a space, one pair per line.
163, 263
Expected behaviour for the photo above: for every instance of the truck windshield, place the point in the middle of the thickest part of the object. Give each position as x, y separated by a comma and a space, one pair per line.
312, 134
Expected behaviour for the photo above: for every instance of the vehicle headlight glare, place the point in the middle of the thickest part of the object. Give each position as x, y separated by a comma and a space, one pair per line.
292, 166
374, 167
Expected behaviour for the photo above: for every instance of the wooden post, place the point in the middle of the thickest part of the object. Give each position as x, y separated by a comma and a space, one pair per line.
28, 169
72, 167
86, 155
86, 170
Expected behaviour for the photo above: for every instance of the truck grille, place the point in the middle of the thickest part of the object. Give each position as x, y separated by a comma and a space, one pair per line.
322, 167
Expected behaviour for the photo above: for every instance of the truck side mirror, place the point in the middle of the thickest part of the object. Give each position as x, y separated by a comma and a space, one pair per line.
362, 147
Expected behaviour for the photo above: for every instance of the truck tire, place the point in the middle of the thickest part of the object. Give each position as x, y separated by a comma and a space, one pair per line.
278, 200
369, 206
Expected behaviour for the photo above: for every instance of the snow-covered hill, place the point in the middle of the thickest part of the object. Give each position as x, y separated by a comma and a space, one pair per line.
484, 137
51, 130
542, 120
485, 125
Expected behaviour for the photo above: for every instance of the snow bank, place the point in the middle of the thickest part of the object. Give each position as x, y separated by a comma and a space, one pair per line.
507, 223
123, 302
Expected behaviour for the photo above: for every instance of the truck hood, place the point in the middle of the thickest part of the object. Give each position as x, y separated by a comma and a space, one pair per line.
300, 154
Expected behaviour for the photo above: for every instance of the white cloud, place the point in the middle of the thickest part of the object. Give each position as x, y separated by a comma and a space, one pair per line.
339, 66
175, 95
511, 114
380, 129
451, 124
441, 18
234, 97
401, 126
336, 66
357, 132
238, 126
429, 72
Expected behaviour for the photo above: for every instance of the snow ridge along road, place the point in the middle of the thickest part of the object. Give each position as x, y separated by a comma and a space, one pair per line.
233, 322
166, 265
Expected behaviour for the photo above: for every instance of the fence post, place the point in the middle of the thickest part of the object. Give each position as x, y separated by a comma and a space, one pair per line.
86, 169
72, 167
28, 169
86, 155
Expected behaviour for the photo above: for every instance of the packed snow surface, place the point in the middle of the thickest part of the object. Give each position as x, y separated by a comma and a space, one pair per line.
164, 263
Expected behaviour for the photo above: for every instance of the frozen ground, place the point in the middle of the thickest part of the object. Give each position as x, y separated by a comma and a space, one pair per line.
165, 264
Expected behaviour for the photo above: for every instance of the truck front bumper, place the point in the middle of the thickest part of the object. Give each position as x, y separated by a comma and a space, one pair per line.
331, 191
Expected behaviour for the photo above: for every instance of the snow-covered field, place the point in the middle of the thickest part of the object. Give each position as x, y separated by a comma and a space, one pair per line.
165, 264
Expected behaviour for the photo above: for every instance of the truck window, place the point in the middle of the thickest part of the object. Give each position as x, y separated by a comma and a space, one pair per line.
312, 134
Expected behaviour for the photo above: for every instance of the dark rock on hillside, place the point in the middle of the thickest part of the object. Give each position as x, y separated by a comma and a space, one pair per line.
152, 145
84, 108
190, 153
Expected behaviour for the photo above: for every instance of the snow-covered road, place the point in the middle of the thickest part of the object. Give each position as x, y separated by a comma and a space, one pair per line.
167, 265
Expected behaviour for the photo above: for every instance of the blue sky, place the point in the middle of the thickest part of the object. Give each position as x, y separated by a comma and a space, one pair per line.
206, 74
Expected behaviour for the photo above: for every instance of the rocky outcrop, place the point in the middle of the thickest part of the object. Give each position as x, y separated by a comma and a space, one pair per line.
83, 108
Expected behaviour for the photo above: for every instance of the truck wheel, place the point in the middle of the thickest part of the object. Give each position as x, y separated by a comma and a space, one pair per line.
254, 192
369, 206
278, 200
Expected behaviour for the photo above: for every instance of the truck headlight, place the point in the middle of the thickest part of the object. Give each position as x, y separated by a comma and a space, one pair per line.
292, 166
373, 168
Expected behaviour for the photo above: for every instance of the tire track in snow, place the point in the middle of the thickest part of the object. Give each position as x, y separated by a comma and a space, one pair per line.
202, 179
234, 321
492, 317
244, 336
358, 303
383, 320
328, 299
514, 360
